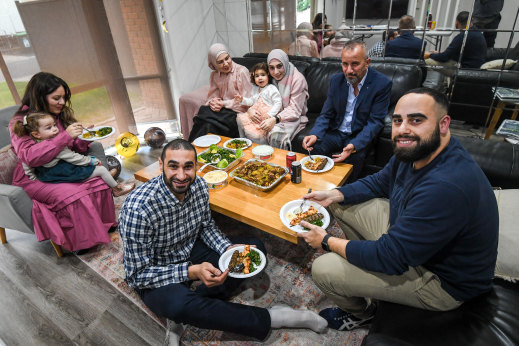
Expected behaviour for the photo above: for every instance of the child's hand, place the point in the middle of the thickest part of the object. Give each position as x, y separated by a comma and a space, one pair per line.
238, 98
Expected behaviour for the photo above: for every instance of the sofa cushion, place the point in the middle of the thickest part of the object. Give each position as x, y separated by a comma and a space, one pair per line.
318, 78
508, 249
496, 64
8, 161
491, 319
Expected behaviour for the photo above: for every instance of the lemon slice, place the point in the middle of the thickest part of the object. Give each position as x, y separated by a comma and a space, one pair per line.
222, 164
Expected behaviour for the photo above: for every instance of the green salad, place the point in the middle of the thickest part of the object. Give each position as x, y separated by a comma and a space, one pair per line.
224, 156
255, 260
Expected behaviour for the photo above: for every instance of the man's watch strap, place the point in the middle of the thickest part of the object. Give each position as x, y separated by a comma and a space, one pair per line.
277, 119
324, 243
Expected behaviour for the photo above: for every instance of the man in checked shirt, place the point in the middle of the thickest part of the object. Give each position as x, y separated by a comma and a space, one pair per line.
170, 240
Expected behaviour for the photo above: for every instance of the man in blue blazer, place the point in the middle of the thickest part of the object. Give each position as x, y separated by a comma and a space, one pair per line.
354, 111
406, 45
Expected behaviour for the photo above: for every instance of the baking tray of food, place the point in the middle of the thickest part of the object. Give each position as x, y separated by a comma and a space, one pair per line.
272, 174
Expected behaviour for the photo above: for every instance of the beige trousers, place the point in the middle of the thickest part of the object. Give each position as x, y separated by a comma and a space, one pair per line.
353, 288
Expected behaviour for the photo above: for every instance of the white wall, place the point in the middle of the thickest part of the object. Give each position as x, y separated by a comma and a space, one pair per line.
193, 26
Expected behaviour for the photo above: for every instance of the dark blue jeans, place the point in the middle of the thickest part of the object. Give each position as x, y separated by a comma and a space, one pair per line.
332, 143
205, 307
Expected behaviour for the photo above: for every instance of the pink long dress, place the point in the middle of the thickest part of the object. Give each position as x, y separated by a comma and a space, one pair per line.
74, 215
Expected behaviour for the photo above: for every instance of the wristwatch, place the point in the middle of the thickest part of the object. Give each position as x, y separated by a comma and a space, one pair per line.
277, 118
324, 243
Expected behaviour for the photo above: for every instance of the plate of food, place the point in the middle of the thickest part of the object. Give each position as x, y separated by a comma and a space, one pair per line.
97, 133
319, 164
243, 261
220, 158
207, 140
291, 215
237, 143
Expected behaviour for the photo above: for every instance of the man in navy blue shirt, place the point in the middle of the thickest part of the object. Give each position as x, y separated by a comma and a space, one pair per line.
432, 246
406, 45
474, 52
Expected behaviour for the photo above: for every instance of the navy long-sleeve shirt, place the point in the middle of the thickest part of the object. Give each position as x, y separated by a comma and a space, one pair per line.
443, 217
474, 53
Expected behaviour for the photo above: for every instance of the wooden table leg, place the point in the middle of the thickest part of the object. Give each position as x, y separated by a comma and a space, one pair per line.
3, 239
495, 119
57, 248
514, 114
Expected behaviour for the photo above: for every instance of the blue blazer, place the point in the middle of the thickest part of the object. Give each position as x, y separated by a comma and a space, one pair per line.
370, 109
405, 46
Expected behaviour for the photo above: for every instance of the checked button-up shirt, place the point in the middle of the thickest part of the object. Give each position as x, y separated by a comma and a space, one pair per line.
159, 232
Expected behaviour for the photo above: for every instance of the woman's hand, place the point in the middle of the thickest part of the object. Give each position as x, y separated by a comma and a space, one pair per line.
238, 98
267, 124
216, 104
75, 130
254, 116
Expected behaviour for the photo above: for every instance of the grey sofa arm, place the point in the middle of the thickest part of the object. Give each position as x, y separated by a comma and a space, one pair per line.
15, 209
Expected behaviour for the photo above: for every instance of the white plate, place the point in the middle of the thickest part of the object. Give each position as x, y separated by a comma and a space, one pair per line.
207, 140
225, 258
249, 143
291, 206
96, 138
329, 164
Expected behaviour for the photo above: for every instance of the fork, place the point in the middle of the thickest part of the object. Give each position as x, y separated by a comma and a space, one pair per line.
300, 209
310, 155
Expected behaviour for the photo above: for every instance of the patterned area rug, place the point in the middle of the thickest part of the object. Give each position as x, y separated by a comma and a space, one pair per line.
285, 280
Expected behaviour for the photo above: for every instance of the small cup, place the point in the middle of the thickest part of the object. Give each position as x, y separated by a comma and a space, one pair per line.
263, 152
216, 179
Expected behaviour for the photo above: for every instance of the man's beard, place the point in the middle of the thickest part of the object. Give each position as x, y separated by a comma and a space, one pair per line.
352, 79
172, 188
423, 148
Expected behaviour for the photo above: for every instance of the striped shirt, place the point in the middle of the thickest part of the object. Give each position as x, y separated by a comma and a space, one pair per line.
159, 232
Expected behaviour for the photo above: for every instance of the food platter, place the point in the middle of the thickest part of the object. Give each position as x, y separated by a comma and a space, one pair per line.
220, 150
207, 140
329, 164
256, 186
248, 143
96, 138
225, 258
289, 209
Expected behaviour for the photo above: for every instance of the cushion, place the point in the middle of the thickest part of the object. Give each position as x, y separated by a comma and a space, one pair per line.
496, 64
508, 249
8, 161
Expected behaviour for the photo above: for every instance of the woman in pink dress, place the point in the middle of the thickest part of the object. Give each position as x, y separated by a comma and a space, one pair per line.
74, 215
228, 78
294, 94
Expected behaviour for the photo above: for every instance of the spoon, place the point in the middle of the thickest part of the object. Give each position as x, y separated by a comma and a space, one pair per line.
215, 159
92, 133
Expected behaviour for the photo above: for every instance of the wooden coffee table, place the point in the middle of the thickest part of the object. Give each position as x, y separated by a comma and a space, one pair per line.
257, 208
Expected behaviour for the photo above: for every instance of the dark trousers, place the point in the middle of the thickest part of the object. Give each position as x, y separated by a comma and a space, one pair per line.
205, 307
220, 123
332, 143
489, 23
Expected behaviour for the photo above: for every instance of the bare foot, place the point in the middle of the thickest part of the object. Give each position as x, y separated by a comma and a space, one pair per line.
122, 189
